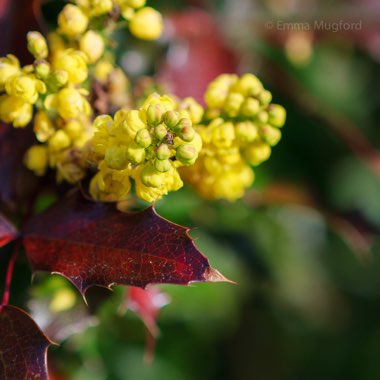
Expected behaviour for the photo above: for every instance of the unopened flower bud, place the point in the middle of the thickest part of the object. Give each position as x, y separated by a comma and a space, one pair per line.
186, 154
143, 138
92, 45
246, 131
265, 97
233, 103
257, 153
42, 69
36, 159
59, 141
277, 115
187, 134
116, 158
146, 24
250, 107
162, 166
154, 114
135, 3
160, 131
270, 134
163, 152
37, 45
248, 85
101, 7
171, 119
60, 78
262, 117
72, 21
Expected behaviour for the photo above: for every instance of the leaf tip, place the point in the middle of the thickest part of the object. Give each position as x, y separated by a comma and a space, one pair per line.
213, 275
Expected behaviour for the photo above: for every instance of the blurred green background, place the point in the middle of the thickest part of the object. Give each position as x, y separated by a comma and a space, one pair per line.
303, 245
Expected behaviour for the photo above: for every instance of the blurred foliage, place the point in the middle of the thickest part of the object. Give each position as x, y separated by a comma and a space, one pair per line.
303, 245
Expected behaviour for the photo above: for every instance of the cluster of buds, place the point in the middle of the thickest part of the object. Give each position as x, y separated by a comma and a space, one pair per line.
241, 126
57, 83
147, 145
143, 22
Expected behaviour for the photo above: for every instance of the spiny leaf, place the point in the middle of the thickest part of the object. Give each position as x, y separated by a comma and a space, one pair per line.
95, 244
7, 231
23, 346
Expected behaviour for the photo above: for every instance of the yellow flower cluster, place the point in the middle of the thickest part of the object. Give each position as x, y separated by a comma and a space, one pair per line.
241, 127
147, 145
20, 88
144, 22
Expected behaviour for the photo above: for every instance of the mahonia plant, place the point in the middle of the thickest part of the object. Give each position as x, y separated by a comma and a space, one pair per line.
126, 151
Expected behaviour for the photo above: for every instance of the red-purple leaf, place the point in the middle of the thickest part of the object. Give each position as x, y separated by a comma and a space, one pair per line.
7, 231
23, 346
95, 244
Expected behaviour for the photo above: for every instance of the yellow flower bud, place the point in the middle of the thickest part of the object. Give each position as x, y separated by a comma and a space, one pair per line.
134, 3
186, 154
9, 66
116, 157
60, 78
36, 159
277, 115
72, 21
160, 131
100, 7
43, 126
248, 85
15, 110
162, 166
223, 135
146, 24
143, 138
163, 152
262, 117
265, 97
102, 71
154, 114
69, 103
74, 129
165, 101
218, 89
118, 87
59, 141
42, 69
92, 45
233, 103
270, 134
193, 108
74, 62
187, 133
37, 45
250, 107
127, 12
171, 119
257, 153
246, 131
25, 86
